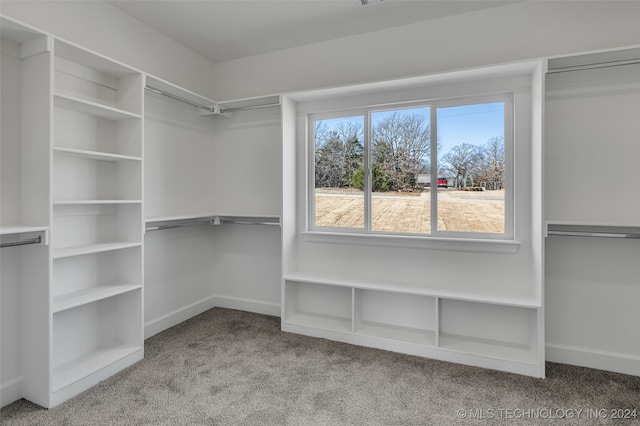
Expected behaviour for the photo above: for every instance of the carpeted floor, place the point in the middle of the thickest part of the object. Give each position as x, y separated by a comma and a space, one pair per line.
227, 367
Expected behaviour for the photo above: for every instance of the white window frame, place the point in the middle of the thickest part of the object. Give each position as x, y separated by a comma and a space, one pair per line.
433, 105
522, 79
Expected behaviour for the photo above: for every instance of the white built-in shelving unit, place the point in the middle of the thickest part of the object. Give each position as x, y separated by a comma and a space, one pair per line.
24, 212
97, 219
72, 144
91, 161
477, 304
418, 321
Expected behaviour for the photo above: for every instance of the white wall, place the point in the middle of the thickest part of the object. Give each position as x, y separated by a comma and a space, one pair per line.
498, 35
100, 27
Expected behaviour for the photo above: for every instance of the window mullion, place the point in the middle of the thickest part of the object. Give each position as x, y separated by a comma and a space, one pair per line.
367, 171
433, 169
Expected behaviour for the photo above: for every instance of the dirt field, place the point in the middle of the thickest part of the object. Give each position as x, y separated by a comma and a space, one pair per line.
458, 211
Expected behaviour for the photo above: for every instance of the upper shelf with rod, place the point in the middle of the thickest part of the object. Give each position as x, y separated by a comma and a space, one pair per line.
593, 230
161, 223
206, 106
23, 235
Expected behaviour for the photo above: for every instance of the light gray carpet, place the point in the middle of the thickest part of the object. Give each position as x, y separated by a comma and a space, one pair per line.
227, 367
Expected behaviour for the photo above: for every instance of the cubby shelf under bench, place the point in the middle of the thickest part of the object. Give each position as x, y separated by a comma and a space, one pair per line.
416, 320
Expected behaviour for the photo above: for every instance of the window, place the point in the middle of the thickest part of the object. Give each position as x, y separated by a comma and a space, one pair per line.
437, 168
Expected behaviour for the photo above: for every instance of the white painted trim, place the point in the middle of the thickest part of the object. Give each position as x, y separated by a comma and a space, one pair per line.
249, 305
180, 315
10, 391
474, 245
177, 316
600, 360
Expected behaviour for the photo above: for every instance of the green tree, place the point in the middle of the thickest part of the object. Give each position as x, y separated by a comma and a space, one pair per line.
339, 152
378, 180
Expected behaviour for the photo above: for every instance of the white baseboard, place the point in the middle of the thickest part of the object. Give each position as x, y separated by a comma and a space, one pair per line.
249, 305
173, 318
600, 360
10, 391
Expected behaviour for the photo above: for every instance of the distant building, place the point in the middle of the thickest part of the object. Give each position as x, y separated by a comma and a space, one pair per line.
424, 181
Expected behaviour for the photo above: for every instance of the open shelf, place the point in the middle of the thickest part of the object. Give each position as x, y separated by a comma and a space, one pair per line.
93, 202
415, 322
92, 108
96, 223
95, 155
89, 295
323, 307
95, 136
103, 86
19, 229
493, 331
92, 336
83, 178
84, 279
324, 322
395, 316
210, 215
470, 293
179, 92
489, 348
60, 253
401, 334
83, 366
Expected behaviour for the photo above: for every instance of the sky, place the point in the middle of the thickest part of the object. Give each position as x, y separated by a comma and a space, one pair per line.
472, 124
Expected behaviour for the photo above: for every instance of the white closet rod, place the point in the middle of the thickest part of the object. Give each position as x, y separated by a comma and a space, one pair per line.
594, 234
594, 66
214, 221
37, 240
248, 107
208, 108
178, 98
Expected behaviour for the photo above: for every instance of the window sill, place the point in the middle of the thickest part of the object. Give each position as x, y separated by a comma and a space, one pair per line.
426, 243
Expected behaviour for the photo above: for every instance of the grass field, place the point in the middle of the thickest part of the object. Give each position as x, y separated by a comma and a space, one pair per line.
458, 211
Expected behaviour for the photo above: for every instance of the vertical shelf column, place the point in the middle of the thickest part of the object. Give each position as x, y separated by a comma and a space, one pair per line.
97, 222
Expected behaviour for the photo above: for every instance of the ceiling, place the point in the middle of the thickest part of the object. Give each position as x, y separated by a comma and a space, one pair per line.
222, 30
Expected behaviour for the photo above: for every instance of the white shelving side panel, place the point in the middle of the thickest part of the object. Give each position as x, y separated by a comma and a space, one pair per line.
60, 253
90, 295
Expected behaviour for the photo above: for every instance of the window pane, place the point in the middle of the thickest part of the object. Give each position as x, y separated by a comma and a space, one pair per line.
471, 158
339, 172
400, 159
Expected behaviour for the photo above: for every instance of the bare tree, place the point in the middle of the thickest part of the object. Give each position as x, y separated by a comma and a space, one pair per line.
462, 161
400, 146
491, 170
